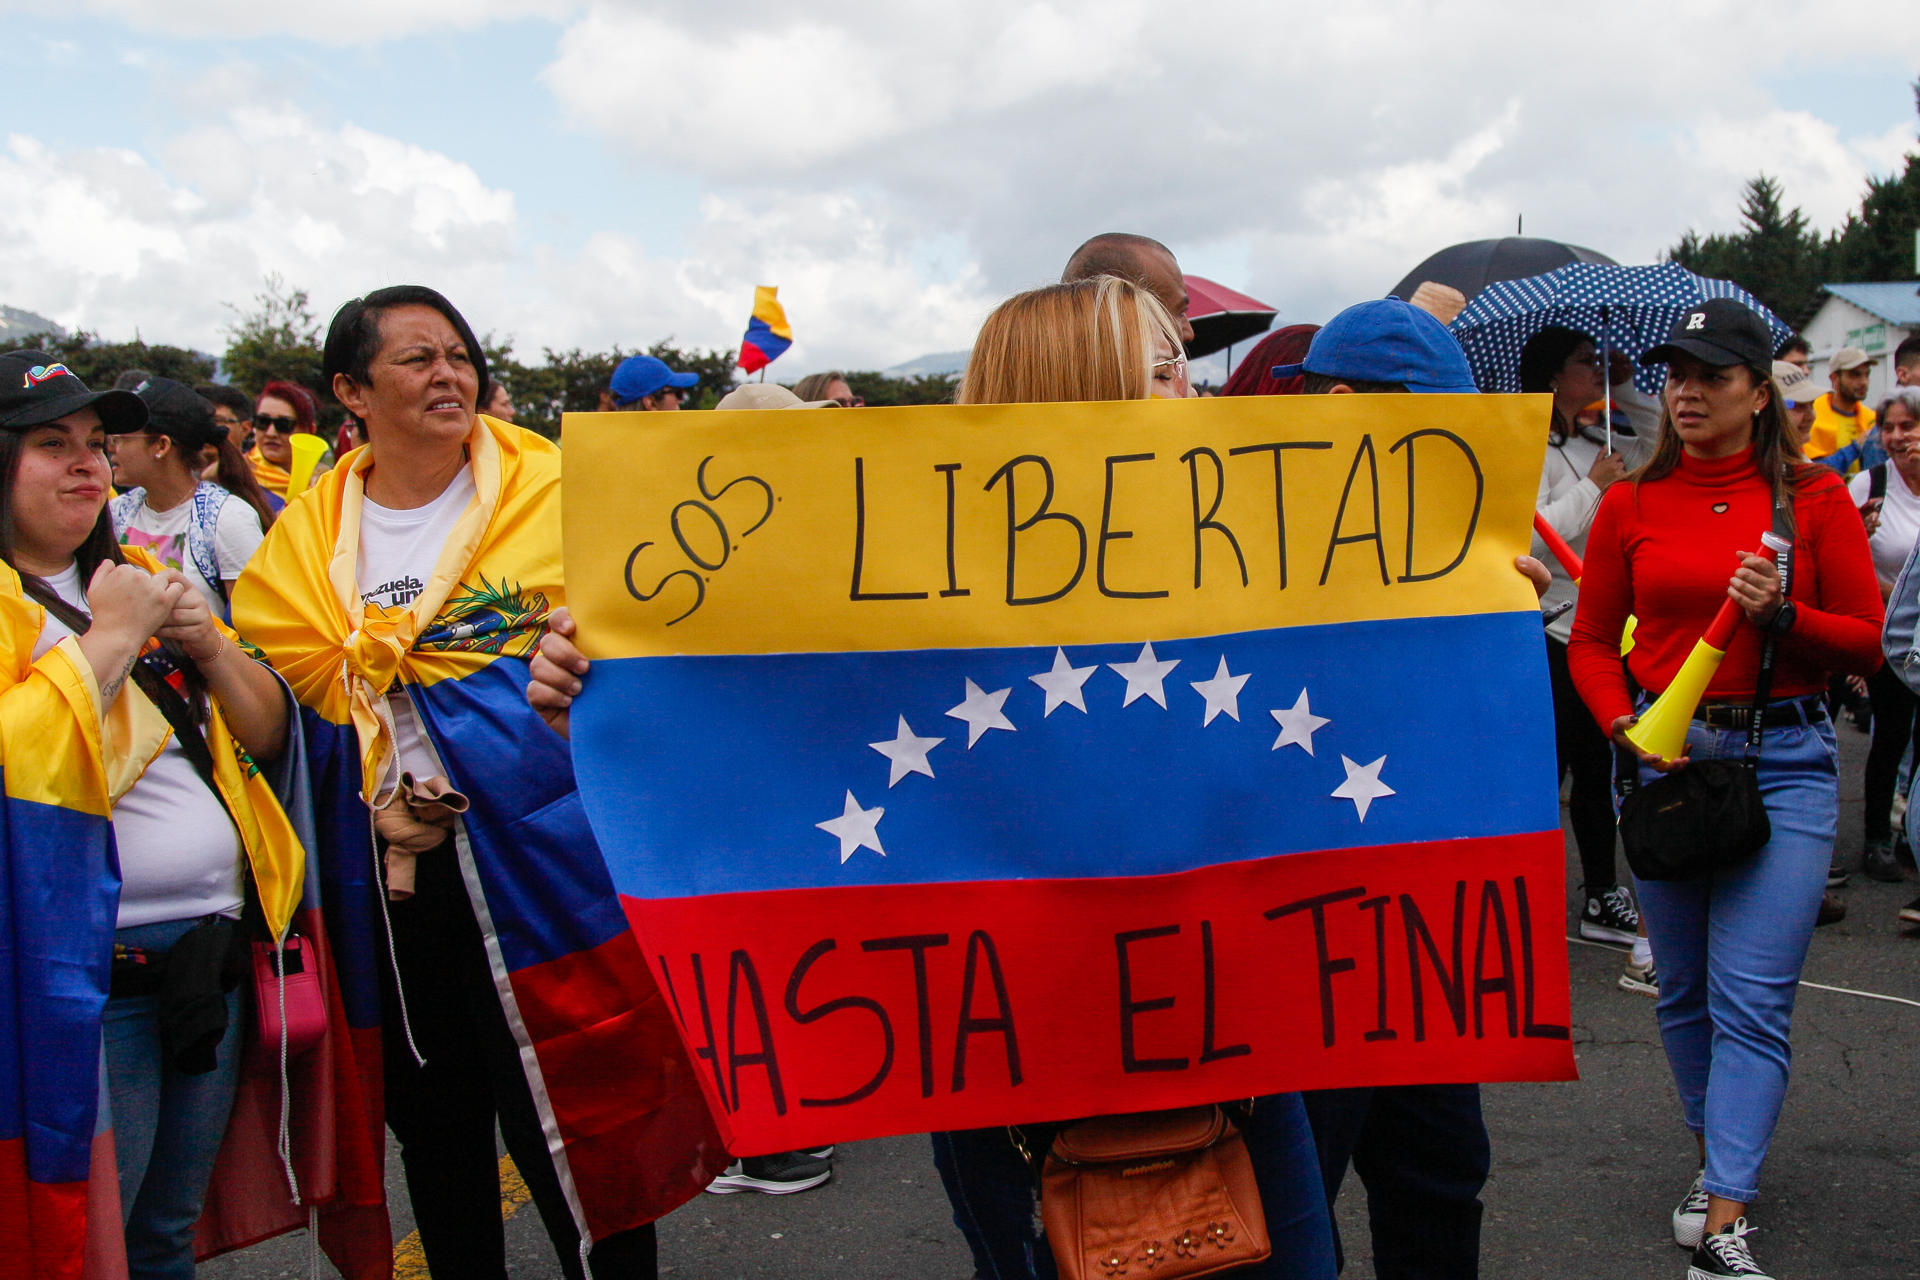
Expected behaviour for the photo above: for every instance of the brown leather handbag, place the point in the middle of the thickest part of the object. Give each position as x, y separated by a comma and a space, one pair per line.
1160, 1194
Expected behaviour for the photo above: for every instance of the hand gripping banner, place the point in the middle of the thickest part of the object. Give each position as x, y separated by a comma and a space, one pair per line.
962, 766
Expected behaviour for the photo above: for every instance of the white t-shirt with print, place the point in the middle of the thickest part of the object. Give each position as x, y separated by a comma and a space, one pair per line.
236, 536
179, 852
398, 550
1899, 522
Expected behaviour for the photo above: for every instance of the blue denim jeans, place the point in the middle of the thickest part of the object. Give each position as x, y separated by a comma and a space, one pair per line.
167, 1126
1730, 948
992, 1191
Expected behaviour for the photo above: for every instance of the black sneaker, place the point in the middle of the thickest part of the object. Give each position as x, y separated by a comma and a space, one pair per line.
1610, 917
1725, 1254
820, 1153
1836, 874
775, 1175
1910, 914
1878, 860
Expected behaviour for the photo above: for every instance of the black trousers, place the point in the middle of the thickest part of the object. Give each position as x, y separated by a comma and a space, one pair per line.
443, 1113
1584, 752
1423, 1155
1895, 710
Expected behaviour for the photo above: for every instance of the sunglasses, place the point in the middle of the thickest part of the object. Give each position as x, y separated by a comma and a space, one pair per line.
271, 422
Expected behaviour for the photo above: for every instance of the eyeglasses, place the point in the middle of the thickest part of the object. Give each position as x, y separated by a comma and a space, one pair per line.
1175, 365
272, 422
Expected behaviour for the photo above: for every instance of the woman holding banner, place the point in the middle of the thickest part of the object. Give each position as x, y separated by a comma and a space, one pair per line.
494, 970
1091, 340
1668, 548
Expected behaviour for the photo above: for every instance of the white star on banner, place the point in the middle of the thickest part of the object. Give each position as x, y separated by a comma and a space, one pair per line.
1062, 684
855, 828
1297, 724
1363, 785
982, 712
1222, 692
907, 752
1145, 675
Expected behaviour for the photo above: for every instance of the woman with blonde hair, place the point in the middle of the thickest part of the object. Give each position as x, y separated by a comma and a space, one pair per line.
1090, 340
1099, 339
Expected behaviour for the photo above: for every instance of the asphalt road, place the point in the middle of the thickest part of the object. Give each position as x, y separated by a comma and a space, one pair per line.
1584, 1173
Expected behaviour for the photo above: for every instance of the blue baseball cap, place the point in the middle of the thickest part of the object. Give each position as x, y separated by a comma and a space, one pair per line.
641, 376
1387, 341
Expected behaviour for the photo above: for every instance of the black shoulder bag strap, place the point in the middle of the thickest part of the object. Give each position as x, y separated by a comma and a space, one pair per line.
1763, 686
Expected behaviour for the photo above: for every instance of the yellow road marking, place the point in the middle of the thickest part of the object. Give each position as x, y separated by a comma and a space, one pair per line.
410, 1260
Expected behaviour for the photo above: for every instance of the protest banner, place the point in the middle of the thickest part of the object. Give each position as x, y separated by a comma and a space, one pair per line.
961, 766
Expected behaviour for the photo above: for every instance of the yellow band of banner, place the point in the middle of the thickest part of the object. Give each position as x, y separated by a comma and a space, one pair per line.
993, 525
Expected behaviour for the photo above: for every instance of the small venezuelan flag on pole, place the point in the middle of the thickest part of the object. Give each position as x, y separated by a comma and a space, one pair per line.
767, 333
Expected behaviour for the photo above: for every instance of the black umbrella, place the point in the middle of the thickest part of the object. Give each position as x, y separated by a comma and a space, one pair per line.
1475, 264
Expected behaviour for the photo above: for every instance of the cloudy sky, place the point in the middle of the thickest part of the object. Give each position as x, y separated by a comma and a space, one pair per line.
613, 171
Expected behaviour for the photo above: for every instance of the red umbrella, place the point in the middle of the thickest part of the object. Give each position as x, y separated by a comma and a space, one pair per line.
1222, 317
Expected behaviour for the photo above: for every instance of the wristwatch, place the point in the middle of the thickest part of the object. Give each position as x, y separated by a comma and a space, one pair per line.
1783, 619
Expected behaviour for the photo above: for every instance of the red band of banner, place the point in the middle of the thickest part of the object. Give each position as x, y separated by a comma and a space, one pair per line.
1411, 963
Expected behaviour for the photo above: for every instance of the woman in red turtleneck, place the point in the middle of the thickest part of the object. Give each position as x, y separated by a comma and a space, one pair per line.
1667, 548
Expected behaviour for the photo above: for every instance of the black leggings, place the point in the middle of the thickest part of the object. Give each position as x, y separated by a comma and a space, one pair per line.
443, 1113
1894, 713
1584, 752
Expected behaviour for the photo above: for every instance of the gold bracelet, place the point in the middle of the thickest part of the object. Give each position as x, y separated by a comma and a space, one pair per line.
218, 649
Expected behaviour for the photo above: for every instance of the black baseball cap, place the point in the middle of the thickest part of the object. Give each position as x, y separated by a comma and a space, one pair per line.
1720, 332
36, 389
178, 411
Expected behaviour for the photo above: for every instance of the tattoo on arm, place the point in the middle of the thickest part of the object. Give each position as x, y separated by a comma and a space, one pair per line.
111, 689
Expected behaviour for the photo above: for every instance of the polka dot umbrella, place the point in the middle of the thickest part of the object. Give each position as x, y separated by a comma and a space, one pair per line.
1628, 309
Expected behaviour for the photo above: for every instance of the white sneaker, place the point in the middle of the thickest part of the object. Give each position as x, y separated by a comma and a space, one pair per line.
1690, 1218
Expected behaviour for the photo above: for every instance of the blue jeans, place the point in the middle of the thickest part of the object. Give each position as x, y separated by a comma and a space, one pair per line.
1730, 948
167, 1126
991, 1189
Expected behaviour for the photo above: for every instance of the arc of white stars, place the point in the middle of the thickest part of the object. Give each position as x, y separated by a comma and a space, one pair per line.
1297, 724
855, 828
906, 753
1222, 693
982, 711
1146, 675
1363, 785
1063, 683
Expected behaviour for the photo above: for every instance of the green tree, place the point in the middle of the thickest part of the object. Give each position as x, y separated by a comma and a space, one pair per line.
98, 363
571, 381
1877, 243
279, 338
881, 389
1775, 256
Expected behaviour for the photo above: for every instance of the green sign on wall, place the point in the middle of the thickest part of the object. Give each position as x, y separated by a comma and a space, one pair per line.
1869, 338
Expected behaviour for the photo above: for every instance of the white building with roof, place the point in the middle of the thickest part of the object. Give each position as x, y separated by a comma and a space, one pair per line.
1876, 318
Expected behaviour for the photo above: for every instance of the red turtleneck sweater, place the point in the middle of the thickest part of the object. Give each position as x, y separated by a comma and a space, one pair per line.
1663, 551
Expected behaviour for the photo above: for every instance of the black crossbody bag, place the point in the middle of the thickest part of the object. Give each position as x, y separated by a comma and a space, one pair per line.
1709, 815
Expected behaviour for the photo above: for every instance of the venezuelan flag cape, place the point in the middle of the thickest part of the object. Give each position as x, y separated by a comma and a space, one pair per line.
630, 1134
65, 764
767, 337
961, 766
272, 476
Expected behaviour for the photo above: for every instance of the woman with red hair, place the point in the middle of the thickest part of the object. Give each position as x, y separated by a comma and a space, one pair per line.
283, 409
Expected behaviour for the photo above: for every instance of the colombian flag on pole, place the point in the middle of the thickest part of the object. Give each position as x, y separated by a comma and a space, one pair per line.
962, 766
767, 336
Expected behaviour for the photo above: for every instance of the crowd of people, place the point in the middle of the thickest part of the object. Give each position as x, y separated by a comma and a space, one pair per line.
243, 645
